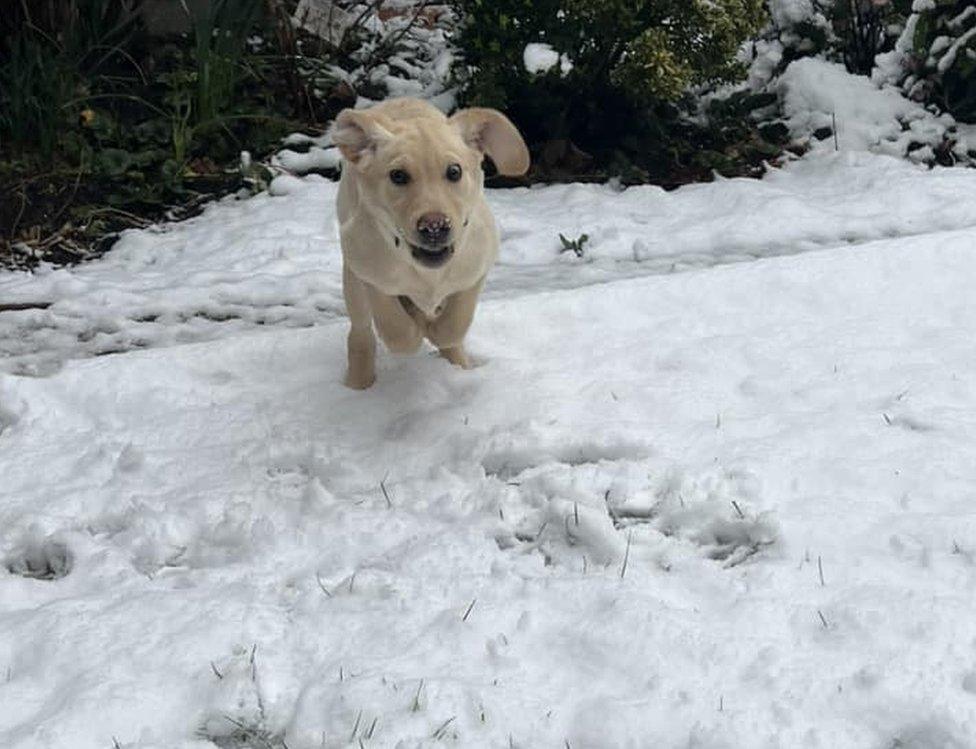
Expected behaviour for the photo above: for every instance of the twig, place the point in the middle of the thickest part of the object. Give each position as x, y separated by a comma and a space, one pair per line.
325, 590
610, 510
214, 667
22, 306
415, 707
393, 40
623, 568
468, 610
20, 214
820, 570
386, 494
439, 733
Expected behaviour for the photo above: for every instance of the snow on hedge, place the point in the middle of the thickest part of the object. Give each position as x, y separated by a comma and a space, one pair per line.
817, 95
541, 58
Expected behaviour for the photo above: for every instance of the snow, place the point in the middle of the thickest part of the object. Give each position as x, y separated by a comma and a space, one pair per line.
710, 485
815, 92
949, 58
232, 559
314, 158
273, 260
541, 58
787, 13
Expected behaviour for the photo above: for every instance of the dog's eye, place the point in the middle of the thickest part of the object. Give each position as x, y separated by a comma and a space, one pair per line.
399, 177
453, 172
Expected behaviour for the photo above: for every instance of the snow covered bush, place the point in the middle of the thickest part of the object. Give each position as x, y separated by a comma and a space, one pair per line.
796, 28
850, 31
864, 31
935, 56
622, 65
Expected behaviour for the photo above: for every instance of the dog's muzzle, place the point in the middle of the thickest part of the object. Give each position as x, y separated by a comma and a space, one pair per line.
432, 257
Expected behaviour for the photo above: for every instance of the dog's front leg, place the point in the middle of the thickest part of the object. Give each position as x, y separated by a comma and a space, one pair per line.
396, 327
448, 330
361, 344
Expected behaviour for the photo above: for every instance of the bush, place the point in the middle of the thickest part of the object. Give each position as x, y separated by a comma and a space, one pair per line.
623, 67
935, 56
101, 123
47, 56
862, 27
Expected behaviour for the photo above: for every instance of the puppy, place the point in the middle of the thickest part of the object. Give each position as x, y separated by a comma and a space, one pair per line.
417, 236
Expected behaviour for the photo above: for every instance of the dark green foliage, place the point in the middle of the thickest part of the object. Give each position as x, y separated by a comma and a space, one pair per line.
219, 39
573, 245
942, 58
619, 109
861, 26
102, 127
48, 52
34, 85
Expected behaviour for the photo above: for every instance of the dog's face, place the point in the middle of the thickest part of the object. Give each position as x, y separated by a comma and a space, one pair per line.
421, 177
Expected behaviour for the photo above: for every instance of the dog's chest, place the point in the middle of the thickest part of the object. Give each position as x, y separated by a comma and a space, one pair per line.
418, 313
429, 303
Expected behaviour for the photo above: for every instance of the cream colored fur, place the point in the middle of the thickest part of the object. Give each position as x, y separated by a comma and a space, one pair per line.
386, 286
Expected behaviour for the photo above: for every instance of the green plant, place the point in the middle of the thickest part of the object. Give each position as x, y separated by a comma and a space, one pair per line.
220, 35
573, 245
50, 53
34, 84
938, 56
628, 65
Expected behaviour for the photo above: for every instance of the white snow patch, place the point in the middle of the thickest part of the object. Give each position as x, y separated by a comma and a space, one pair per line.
541, 58
314, 158
817, 93
730, 507
274, 260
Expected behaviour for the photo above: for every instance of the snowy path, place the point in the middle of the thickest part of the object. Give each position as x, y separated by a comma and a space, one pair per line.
726, 508
274, 261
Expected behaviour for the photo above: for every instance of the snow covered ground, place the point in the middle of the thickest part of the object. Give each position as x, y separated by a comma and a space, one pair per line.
712, 485
273, 261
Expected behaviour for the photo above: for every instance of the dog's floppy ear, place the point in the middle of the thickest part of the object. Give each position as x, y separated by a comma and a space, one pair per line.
357, 132
492, 133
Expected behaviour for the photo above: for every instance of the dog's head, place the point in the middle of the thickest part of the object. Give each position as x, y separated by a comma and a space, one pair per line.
421, 177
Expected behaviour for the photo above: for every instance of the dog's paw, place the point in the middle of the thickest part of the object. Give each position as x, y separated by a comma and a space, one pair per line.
359, 381
457, 356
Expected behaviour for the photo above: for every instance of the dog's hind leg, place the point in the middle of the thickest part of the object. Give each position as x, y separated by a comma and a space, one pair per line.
361, 372
448, 330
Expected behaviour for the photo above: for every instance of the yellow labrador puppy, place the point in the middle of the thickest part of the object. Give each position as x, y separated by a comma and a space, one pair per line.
417, 235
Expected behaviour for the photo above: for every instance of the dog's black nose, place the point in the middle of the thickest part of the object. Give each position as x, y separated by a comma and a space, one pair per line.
434, 228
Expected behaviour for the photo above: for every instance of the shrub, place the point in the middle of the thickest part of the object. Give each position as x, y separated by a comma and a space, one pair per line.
935, 57
622, 67
862, 27
48, 53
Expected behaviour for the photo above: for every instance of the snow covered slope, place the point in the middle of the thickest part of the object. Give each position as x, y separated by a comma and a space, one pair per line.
726, 508
274, 260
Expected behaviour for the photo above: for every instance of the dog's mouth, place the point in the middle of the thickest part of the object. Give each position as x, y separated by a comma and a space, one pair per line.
432, 257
